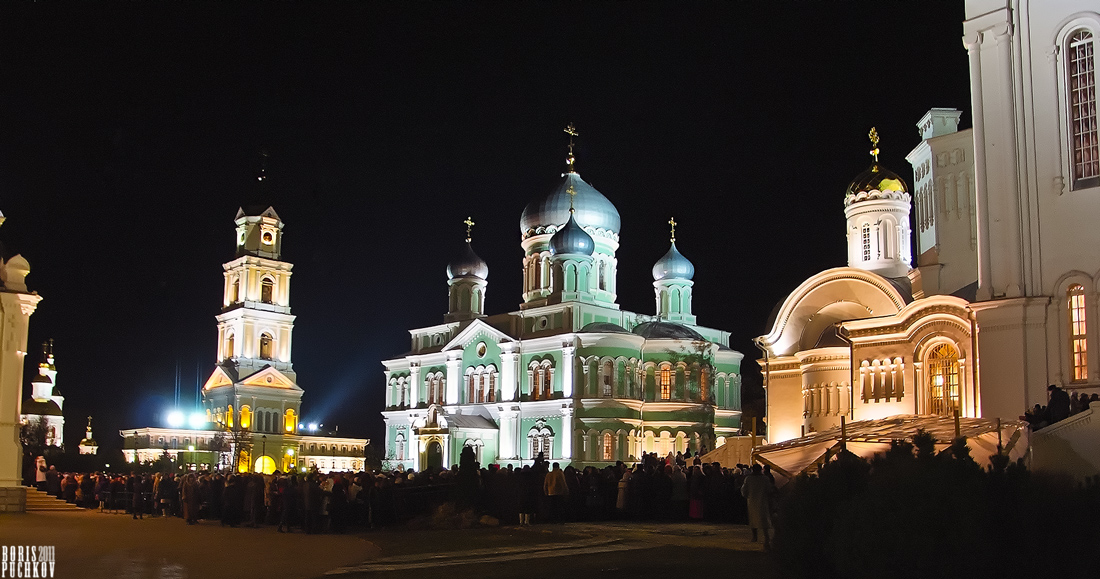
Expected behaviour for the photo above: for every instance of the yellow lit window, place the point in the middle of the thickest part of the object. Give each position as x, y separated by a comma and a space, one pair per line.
943, 375
1077, 332
666, 383
607, 446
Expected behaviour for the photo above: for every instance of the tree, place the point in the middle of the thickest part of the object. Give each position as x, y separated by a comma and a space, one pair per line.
240, 440
372, 462
220, 444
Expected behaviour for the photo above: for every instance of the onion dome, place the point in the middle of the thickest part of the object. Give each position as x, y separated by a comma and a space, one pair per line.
877, 178
34, 407
468, 264
604, 328
592, 208
673, 266
571, 239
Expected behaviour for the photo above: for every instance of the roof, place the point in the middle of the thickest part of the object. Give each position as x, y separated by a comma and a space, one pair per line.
592, 208
666, 330
34, 407
604, 328
470, 422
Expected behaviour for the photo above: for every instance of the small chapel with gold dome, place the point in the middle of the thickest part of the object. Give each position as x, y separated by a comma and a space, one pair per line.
570, 374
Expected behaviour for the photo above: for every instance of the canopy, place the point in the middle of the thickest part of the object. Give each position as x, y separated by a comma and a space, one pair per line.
867, 438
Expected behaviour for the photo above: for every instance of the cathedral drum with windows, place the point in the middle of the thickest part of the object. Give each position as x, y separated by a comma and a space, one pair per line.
570, 375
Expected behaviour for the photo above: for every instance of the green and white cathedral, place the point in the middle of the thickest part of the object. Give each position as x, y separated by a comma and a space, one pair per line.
571, 374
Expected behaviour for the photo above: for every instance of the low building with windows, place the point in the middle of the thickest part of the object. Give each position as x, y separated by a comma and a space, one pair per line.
569, 375
252, 404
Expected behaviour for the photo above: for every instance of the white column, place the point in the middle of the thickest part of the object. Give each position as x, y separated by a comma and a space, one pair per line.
567, 357
414, 388
508, 438
567, 432
973, 45
453, 379
1015, 285
508, 388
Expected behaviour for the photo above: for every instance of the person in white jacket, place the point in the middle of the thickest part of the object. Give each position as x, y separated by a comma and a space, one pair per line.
757, 491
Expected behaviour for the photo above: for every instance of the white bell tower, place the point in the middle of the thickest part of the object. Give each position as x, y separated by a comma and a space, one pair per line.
877, 209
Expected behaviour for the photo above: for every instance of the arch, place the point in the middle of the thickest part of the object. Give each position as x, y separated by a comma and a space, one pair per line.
606, 446
665, 381
433, 454
267, 346
540, 439
1078, 41
246, 416
229, 415
229, 346
1078, 332
235, 291
607, 378
267, 290
290, 421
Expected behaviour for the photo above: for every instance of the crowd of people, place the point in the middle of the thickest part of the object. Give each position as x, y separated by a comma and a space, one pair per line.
1060, 405
677, 487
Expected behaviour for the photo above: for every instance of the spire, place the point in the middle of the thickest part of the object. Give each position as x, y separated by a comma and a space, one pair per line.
572, 196
672, 224
89, 430
571, 160
469, 226
873, 135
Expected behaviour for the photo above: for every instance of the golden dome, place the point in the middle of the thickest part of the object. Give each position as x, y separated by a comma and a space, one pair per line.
877, 178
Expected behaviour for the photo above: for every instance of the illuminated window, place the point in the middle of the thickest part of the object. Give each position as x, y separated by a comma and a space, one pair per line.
943, 377
547, 384
235, 293
865, 240
266, 342
400, 450
246, 416
704, 384
541, 439
1077, 337
267, 290
491, 397
1081, 78
229, 416
229, 346
608, 371
607, 446
290, 421
666, 383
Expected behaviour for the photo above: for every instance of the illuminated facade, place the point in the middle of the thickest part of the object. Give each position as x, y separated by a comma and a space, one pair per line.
1003, 299
46, 403
252, 395
570, 374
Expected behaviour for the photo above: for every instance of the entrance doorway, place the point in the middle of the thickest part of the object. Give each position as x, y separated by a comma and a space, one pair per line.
434, 455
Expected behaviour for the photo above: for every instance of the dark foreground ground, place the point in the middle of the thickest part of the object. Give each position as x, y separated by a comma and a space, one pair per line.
91, 545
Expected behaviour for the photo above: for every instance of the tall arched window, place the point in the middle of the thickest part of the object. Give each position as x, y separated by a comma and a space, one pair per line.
1075, 299
865, 241
666, 383
266, 346
267, 290
943, 380
290, 421
547, 383
704, 384
229, 416
607, 446
399, 451
229, 345
1081, 101
235, 292
246, 416
608, 372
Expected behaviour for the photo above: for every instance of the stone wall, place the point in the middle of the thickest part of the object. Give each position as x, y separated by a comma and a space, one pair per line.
13, 499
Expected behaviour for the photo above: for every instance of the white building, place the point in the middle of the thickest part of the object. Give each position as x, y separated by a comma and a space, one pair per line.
253, 391
1003, 300
46, 403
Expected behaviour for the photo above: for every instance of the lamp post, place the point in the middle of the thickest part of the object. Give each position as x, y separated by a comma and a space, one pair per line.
263, 447
191, 449
290, 464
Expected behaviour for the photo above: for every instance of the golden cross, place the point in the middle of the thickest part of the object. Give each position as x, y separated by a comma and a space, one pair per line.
469, 225
572, 132
572, 195
873, 135
672, 222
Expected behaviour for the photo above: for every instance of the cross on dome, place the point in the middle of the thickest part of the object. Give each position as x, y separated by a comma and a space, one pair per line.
571, 160
672, 223
873, 135
469, 225
572, 191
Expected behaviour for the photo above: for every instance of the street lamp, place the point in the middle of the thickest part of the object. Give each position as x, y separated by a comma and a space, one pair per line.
290, 460
263, 447
191, 449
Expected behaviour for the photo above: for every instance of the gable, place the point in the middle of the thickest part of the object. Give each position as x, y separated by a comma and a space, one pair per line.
217, 379
477, 330
269, 378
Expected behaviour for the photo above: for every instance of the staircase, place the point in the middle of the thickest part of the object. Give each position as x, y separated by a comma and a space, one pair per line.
40, 501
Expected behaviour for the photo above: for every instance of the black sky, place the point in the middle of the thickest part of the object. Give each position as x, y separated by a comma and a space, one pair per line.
129, 135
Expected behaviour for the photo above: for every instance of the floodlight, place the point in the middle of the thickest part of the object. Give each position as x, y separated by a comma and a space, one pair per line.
175, 419
197, 420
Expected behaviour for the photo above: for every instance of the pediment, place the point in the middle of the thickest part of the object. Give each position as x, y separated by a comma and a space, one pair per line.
269, 377
470, 332
217, 379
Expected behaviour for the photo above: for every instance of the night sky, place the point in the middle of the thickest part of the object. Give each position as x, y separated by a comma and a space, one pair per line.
129, 135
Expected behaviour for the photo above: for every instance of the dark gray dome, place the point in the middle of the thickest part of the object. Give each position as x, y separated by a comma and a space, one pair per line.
673, 266
572, 240
666, 330
592, 208
37, 408
468, 264
604, 328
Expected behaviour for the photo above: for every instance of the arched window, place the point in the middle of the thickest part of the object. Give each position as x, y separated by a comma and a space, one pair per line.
666, 383
266, 346
1075, 300
492, 396
1081, 101
865, 241
541, 439
235, 292
229, 345
246, 416
290, 421
603, 275
547, 383
608, 372
607, 446
229, 416
704, 384
267, 290
943, 380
